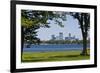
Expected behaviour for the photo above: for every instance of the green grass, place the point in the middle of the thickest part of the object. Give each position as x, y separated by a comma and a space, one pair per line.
53, 56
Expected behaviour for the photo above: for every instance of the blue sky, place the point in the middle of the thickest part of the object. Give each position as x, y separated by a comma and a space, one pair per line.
70, 26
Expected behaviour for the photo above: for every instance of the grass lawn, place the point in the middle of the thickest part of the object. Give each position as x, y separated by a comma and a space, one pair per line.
54, 56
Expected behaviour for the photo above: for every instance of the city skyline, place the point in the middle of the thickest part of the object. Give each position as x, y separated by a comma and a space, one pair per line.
60, 37
70, 25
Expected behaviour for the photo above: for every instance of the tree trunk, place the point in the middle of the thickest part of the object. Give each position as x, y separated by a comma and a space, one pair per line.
22, 41
84, 51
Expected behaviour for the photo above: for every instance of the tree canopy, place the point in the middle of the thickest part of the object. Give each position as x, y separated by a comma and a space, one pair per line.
30, 18
33, 20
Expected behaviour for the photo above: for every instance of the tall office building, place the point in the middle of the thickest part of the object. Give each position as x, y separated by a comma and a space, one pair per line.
60, 36
69, 34
53, 37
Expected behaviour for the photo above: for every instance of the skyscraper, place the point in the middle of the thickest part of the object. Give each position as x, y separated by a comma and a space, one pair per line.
69, 34
60, 36
53, 37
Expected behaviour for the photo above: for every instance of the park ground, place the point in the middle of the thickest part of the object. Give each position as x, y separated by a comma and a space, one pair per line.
54, 56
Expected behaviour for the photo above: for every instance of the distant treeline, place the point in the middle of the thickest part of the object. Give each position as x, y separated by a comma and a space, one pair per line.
63, 42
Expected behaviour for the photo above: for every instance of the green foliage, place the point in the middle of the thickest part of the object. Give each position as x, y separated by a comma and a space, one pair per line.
26, 22
33, 20
29, 17
84, 20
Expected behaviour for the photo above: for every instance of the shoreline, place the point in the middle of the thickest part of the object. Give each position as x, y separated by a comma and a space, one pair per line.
55, 50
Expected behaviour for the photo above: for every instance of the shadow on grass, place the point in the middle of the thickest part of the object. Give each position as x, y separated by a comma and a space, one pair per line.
64, 56
41, 59
33, 60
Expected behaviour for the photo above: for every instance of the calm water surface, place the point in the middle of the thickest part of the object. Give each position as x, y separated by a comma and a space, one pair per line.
56, 47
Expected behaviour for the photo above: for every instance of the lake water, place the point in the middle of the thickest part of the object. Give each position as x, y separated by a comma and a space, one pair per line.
58, 47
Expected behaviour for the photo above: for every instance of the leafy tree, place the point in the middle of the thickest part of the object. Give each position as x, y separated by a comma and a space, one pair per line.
33, 20
84, 22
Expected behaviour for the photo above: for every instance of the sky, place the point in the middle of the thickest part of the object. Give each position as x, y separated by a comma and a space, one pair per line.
70, 26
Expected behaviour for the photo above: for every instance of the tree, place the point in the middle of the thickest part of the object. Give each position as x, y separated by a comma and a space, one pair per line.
84, 22
32, 20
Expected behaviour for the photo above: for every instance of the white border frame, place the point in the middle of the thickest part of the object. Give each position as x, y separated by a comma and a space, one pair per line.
21, 65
